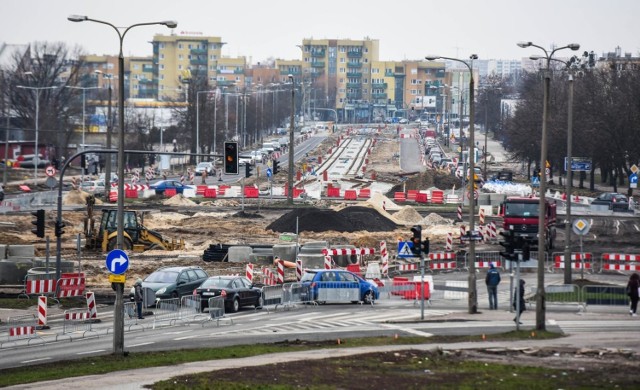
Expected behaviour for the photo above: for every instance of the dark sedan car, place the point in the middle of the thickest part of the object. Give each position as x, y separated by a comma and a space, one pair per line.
161, 186
237, 291
173, 282
613, 200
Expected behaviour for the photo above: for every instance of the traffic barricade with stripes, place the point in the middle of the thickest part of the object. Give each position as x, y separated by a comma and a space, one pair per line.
443, 261
75, 321
620, 262
19, 328
167, 310
40, 284
70, 285
578, 261
217, 311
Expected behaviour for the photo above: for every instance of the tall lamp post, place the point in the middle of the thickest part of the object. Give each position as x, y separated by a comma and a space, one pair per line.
473, 294
542, 239
107, 165
84, 121
36, 158
291, 130
118, 318
198, 121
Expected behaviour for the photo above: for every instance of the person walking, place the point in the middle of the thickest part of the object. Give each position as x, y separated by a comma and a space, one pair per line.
518, 302
137, 297
633, 287
492, 280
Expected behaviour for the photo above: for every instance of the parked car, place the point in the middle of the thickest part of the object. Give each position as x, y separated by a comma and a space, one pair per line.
312, 279
403, 121
1, 193
174, 282
613, 200
237, 291
161, 186
114, 177
93, 187
204, 166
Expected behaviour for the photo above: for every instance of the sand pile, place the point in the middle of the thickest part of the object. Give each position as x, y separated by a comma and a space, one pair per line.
407, 216
178, 200
77, 197
381, 202
435, 219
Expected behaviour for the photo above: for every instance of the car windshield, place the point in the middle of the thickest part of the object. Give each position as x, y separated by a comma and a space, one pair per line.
308, 276
521, 210
162, 277
217, 282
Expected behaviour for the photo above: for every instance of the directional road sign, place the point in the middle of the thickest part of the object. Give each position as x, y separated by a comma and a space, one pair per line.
404, 249
633, 180
269, 172
579, 164
117, 262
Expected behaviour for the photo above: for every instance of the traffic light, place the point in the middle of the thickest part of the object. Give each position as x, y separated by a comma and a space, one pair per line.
39, 222
248, 168
526, 252
59, 225
231, 158
425, 246
509, 249
416, 239
276, 167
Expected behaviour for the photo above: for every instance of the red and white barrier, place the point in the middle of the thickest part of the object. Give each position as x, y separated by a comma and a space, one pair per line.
578, 261
460, 212
463, 231
407, 267
487, 264
71, 285
620, 262
298, 270
42, 312
43, 286
327, 262
442, 260
384, 255
91, 305
353, 251
280, 272
249, 272
449, 244
481, 216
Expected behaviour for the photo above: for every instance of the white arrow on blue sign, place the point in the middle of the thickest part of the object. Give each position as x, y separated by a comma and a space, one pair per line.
269, 173
117, 262
633, 178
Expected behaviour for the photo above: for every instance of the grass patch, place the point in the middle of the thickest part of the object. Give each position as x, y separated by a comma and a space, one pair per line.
110, 363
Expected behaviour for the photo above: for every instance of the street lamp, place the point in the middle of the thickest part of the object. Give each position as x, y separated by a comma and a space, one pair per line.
292, 127
118, 318
473, 296
36, 154
540, 295
107, 165
84, 90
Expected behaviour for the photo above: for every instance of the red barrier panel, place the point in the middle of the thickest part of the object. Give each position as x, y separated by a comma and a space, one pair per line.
350, 195
422, 197
210, 193
399, 281
131, 194
250, 192
200, 190
437, 196
364, 193
399, 197
222, 189
297, 192
333, 192
411, 194
169, 192
355, 268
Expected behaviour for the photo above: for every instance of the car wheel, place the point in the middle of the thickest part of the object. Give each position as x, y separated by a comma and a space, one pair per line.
368, 298
235, 306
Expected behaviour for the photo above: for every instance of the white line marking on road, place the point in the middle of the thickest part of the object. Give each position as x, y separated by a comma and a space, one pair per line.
141, 344
36, 360
90, 352
184, 338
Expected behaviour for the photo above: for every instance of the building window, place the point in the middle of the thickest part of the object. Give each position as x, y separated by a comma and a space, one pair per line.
189, 46
180, 57
365, 90
212, 57
342, 60
161, 66
161, 77
162, 45
414, 71
341, 70
342, 49
179, 45
179, 67
162, 56
136, 66
365, 81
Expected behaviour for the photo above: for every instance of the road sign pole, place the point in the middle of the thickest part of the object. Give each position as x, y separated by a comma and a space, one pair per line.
422, 286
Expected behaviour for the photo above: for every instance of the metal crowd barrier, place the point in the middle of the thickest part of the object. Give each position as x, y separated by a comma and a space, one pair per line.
76, 321
20, 328
272, 296
217, 311
167, 310
190, 306
605, 295
570, 294
336, 292
294, 293
131, 315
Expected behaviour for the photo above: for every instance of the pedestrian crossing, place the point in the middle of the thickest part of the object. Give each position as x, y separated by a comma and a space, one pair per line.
596, 326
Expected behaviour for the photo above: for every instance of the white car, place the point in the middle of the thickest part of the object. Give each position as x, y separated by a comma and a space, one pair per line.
93, 187
204, 166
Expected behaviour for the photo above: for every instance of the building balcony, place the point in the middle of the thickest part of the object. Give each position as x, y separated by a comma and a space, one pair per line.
147, 68
388, 74
197, 61
224, 83
238, 71
354, 54
317, 53
317, 64
379, 85
199, 52
379, 95
354, 74
354, 85
354, 64
354, 95
145, 81
294, 72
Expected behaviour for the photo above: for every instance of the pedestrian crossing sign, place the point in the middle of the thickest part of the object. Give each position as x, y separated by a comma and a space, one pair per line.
404, 249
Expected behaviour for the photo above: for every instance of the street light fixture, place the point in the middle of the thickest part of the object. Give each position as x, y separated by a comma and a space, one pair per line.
118, 318
291, 130
473, 294
36, 154
540, 294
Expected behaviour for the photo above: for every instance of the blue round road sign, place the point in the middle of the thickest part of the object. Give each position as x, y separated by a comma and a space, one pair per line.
117, 262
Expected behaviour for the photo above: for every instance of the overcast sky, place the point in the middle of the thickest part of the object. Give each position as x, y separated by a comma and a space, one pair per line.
406, 29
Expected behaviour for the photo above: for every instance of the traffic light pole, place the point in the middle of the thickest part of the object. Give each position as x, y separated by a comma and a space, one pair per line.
421, 286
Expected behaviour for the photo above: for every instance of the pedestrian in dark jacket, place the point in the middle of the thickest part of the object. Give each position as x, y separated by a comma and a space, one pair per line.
492, 280
633, 293
137, 297
518, 301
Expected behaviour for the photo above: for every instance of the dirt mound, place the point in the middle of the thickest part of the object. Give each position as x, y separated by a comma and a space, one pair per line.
407, 215
350, 219
77, 197
178, 200
435, 219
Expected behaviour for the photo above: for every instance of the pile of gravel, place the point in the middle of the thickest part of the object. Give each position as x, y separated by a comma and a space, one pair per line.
350, 219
